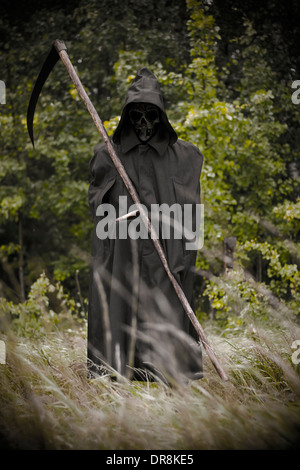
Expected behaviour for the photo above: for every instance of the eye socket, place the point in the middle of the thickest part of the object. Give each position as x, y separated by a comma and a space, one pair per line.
151, 115
135, 115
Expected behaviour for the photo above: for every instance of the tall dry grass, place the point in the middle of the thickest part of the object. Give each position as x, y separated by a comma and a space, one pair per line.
47, 401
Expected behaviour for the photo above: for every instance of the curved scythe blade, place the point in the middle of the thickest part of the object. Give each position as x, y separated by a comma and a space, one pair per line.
49, 63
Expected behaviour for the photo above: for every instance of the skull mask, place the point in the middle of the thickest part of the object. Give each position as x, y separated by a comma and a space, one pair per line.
145, 119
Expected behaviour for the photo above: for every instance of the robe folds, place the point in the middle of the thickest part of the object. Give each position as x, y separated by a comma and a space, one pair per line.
137, 326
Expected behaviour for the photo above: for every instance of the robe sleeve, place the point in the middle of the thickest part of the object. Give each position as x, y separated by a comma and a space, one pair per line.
103, 176
192, 196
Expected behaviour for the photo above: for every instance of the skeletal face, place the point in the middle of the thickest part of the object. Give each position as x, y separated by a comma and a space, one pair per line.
145, 119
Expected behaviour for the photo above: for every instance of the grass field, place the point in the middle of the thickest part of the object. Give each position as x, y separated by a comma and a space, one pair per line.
47, 401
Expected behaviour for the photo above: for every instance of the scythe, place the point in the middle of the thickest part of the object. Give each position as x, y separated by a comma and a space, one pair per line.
59, 51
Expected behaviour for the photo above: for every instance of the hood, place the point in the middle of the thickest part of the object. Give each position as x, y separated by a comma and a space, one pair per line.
144, 89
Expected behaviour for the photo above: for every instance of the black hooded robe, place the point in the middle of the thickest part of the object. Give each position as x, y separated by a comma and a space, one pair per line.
136, 322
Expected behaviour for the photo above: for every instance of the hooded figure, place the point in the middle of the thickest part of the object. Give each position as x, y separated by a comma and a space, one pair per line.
137, 326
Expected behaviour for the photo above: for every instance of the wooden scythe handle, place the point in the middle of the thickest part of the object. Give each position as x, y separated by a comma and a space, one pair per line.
61, 50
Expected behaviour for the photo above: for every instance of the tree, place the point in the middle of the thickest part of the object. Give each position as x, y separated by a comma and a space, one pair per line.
44, 214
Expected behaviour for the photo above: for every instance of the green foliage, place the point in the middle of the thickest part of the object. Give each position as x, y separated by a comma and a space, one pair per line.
284, 277
46, 309
232, 299
226, 91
